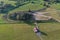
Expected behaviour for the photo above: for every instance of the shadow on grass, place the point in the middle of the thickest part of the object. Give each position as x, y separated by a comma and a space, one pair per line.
27, 22
48, 21
42, 21
43, 33
31, 22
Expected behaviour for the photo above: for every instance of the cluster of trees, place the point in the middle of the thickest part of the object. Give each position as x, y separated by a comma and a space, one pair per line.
20, 2
57, 1
25, 17
4, 8
23, 0
52, 1
47, 3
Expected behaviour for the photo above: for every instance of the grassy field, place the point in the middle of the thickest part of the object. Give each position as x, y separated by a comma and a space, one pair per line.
56, 6
24, 31
53, 13
1, 18
27, 7
8, 2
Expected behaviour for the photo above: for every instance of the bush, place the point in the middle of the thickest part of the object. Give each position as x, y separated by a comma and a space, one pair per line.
13, 16
27, 17
6, 8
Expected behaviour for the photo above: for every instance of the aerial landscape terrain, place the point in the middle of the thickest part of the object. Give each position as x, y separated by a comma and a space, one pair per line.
17, 19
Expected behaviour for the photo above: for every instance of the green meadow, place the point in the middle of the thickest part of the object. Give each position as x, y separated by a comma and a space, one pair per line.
23, 31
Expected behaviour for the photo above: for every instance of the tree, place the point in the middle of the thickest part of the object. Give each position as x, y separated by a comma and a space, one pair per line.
1, 3
57, 1
50, 1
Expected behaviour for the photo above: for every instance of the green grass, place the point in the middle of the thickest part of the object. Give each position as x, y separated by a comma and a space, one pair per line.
56, 6
6, 32
25, 32
1, 18
53, 13
35, 6
27, 7
9, 2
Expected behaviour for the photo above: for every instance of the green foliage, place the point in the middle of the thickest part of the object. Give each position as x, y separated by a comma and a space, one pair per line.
1, 3
25, 32
13, 16
27, 17
5, 8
